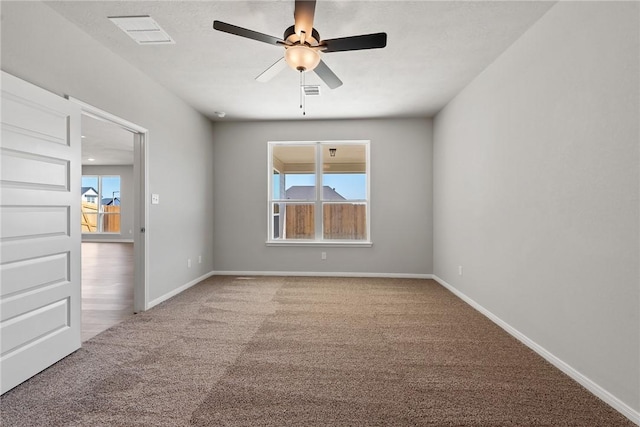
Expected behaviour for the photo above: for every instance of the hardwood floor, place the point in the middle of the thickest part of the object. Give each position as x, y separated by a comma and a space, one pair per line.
107, 286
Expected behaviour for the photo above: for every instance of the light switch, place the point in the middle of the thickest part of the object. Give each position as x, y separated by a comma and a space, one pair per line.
155, 199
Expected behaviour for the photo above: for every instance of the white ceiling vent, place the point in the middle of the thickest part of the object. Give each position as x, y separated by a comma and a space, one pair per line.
143, 29
311, 90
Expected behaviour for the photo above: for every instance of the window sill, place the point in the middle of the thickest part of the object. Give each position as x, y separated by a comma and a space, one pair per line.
315, 244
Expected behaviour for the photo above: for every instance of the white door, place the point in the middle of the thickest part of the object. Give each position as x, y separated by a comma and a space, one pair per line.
39, 230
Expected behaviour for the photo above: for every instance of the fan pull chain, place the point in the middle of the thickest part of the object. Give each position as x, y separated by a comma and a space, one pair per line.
303, 105
304, 98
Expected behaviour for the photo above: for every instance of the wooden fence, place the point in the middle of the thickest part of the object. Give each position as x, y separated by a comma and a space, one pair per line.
341, 221
300, 222
345, 221
110, 218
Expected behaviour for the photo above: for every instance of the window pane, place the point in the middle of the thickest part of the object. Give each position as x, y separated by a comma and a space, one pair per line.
277, 188
344, 172
277, 225
299, 221
110, 204
294, 172
300, 186
100, 204
111, 190
344, 221
344, 186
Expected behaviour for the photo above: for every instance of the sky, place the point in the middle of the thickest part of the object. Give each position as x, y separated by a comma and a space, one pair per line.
109, 185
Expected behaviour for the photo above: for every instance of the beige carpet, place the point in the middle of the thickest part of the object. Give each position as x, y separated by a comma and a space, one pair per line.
306, 352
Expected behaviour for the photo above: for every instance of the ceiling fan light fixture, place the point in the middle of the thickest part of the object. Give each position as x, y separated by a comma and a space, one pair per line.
302, 58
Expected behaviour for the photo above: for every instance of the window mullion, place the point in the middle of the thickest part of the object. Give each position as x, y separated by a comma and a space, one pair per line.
318, 202
270, 168
100, 215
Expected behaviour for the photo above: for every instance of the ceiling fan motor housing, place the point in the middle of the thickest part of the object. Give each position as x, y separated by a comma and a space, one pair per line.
293, 38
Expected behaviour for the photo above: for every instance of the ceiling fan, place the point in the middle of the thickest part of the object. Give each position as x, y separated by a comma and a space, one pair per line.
302, 44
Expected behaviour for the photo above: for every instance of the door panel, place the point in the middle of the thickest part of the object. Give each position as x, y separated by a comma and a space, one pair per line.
32, 222
31, 171
39, 230
23, 276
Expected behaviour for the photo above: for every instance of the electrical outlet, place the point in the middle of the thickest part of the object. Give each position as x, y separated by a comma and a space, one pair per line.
199, 259
460, 270
323, 255
189, 263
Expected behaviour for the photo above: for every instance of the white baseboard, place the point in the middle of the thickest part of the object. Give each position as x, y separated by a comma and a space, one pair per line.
322, 274
176, 291
90, 240
594, 388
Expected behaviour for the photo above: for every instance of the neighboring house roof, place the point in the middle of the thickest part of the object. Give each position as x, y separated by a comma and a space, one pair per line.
85, 190
109, 201
308, 192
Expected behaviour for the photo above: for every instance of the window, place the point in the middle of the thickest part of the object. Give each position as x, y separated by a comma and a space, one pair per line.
100, 204
319, 192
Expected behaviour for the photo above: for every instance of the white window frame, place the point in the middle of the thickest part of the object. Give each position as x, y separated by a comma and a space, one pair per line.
319, 241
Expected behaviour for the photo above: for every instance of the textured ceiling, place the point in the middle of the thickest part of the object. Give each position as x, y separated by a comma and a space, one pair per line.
434, 49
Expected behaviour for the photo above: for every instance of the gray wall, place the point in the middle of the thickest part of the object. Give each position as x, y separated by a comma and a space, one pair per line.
401, 210
40, 46
126, 201
537, 190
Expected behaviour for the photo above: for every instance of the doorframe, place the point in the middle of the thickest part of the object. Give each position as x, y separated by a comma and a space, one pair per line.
141, 191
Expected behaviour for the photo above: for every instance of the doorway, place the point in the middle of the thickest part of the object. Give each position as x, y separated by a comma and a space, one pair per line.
107, 285
114, 239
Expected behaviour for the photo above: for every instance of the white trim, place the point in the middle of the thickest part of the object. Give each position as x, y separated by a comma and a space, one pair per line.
141, 182
179, 290
322, 274
106, 240
141, 197
322, 244
104, 116
141, 239
589, 384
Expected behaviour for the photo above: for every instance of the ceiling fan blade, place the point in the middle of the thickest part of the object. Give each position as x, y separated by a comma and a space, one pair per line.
366, 41
271, 72
327, 76
250, 34
303, 16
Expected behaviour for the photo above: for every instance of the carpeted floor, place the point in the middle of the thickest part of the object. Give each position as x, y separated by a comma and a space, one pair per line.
273, 351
